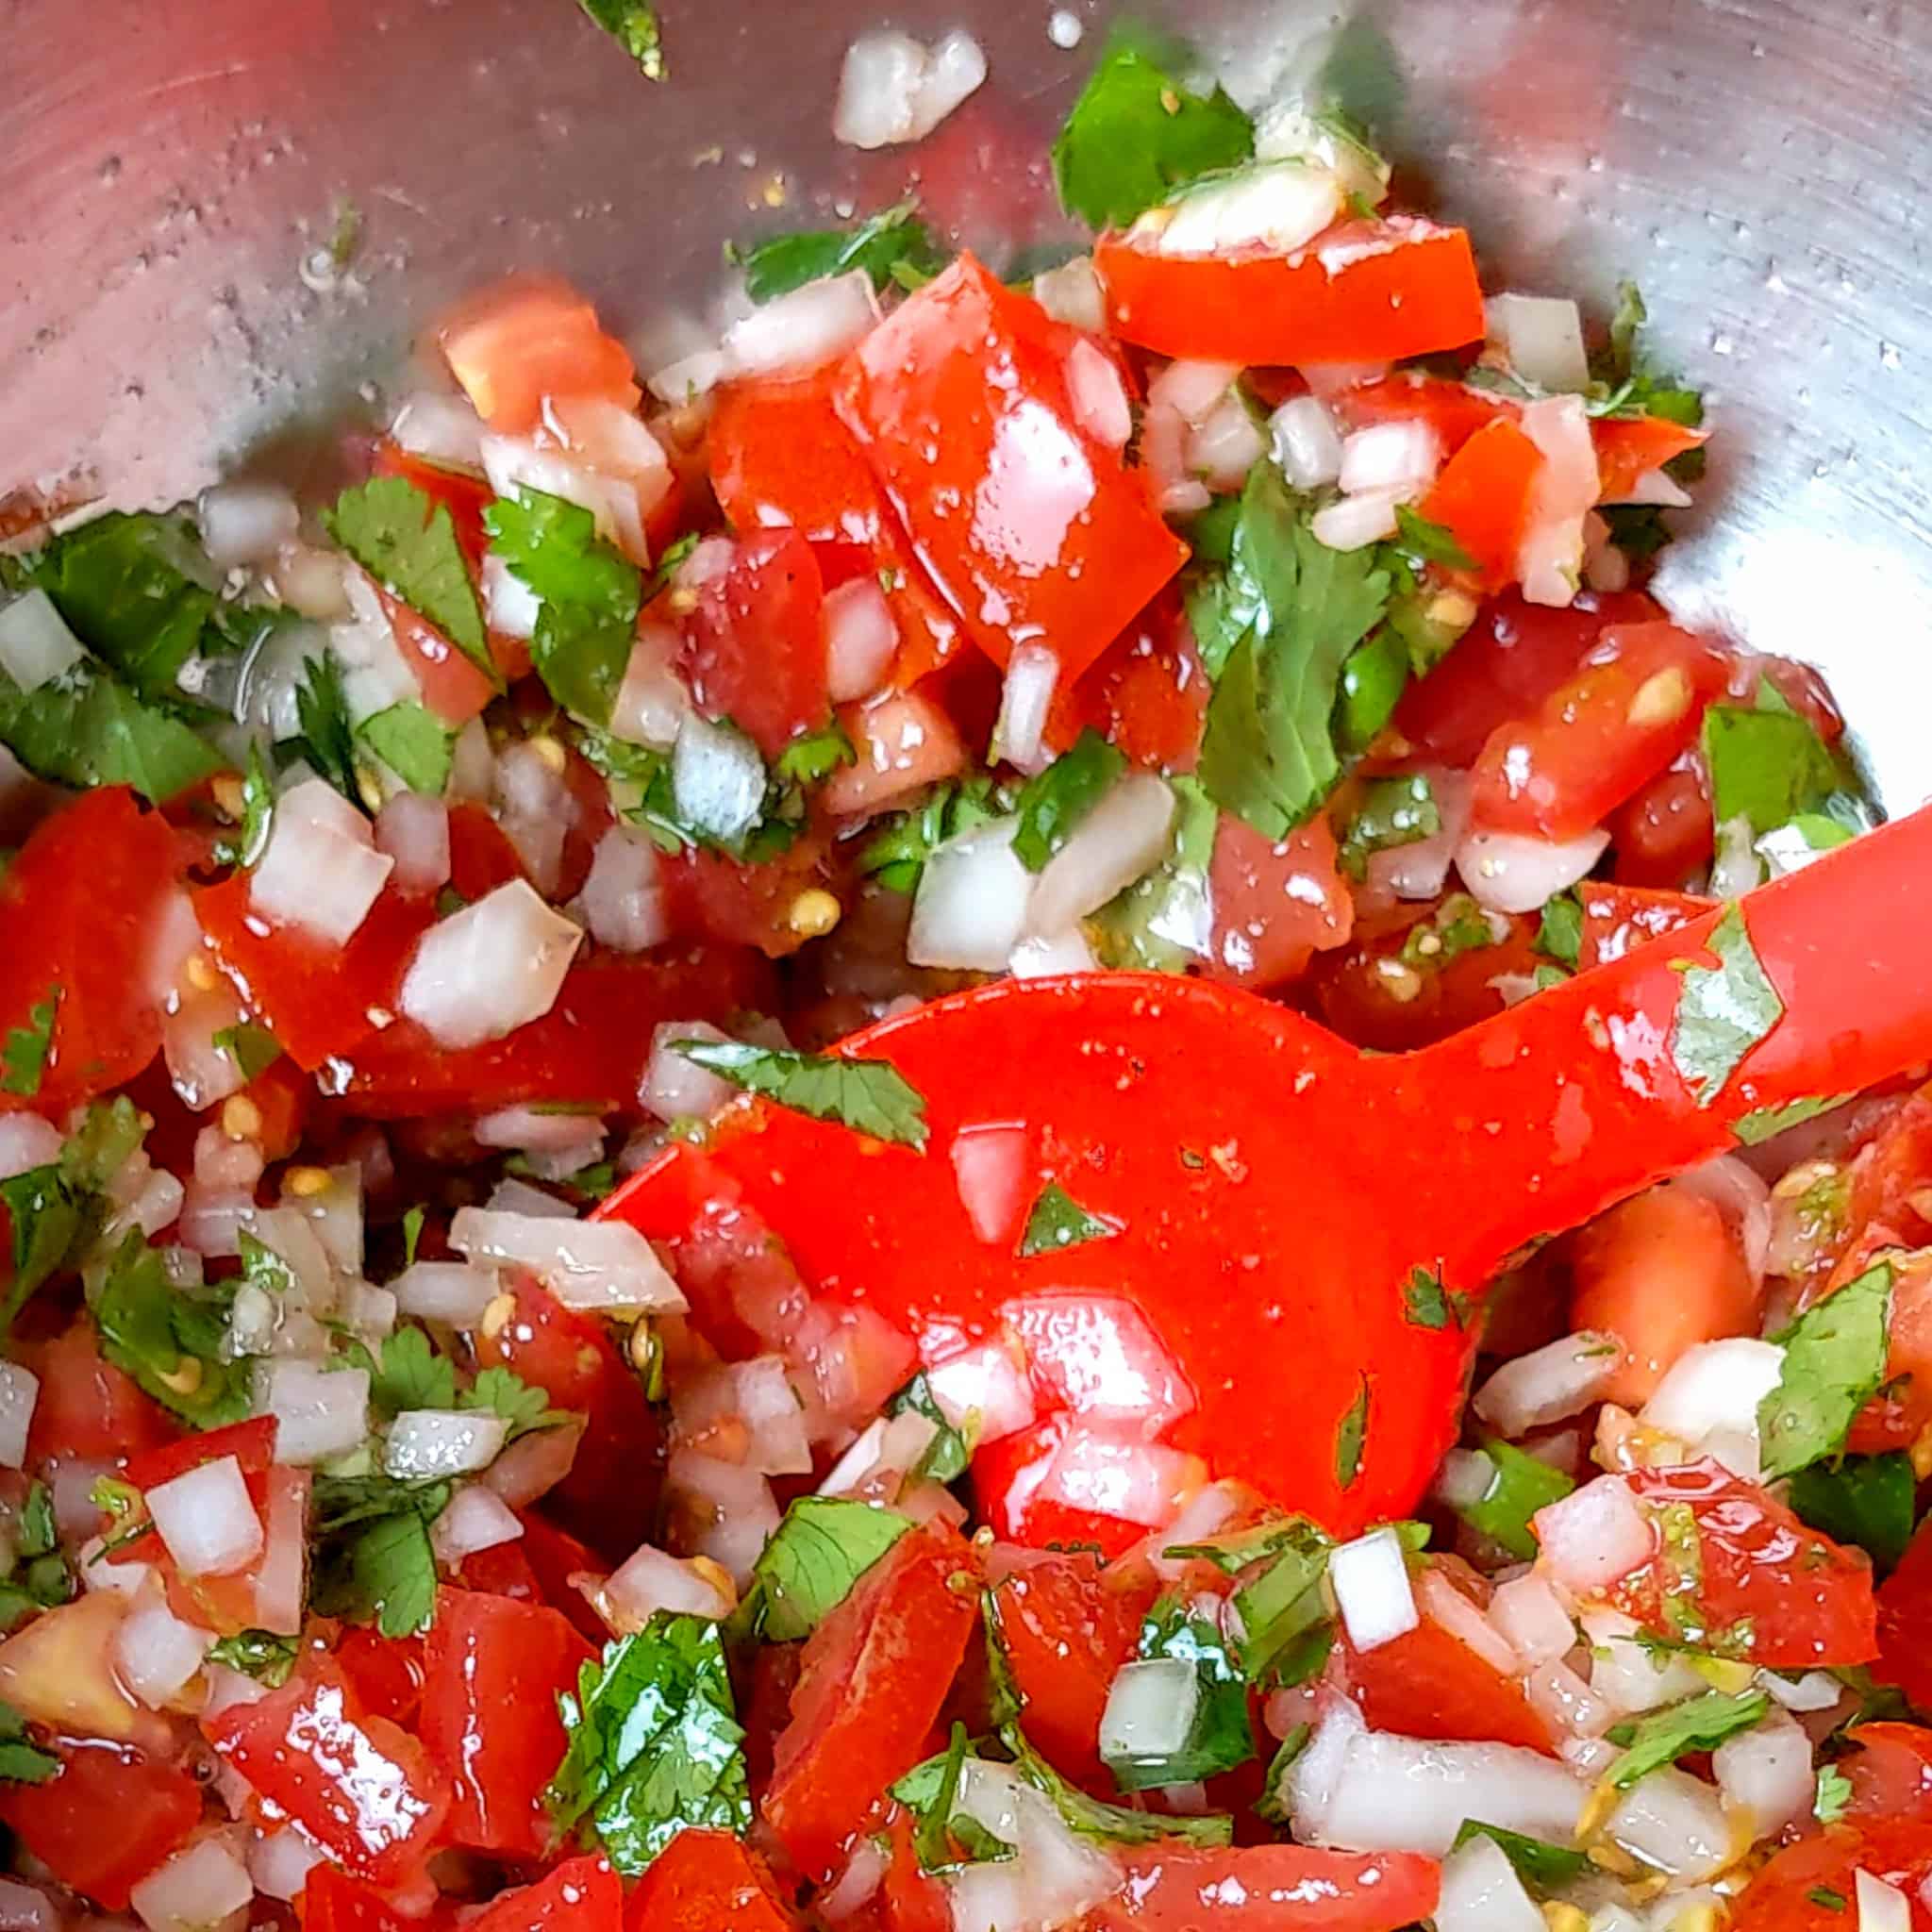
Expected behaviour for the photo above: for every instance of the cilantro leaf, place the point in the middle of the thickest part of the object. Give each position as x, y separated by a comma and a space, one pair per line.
89, 728
1400, 810
417, 746
1222, 1734
1767, 766
1111, 1824
893, 247
1058, 1220
633, 24
1541, 1866
1055, 800
896, 854
1835, 1355
815, 1557
327, 740
1136, 134
1373, 681
47, 1220
1268, 755
1521, 1487
1282, 1602
371, 1557
1351, 1438
1723, 1010
1560, 934
655, 1744
262, 1267
254, 1049
170, 1339
1422, 541
24, 1053
590, 593
258, 1654
815, 755
949, 1452
413, 1219
1765, 1123
1834, 1794
1866, 1500
1662, 1736
504, 1393
22, 1761
868, 1096
258, 813
410, 1375
1427, 1304
946, 1839
407, 542
1164, 923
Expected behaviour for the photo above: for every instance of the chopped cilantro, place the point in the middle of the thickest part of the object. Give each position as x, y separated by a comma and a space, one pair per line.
89, 728
1835, 1355
1423, 543
24, 1053
1865, 1500
372, 1559
1560, 934
258, 1654
1136, 134
327, 740
1282, 1602
254, 1049
170, 1340
1662, 1736
1722, 1011
1058, 1220
22, 1761
1399, 810
814, 1557
410, 1375
949, 1452
505, 1393
896, 855
893, 247
413, 1219
815, 755
1825, 1898
1523, 1485
1223, 1734
1351, 1436
1052, 803
655, 1744
262, 1267
1833, 1794
868, 1096
257, 814
1111, 1824
1427, 1304
1764, 1123
633, 24
1373, 677
417, 746
946, 1839
1768, 765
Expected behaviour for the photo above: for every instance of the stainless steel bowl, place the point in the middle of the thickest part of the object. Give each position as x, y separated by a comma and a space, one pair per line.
167, 168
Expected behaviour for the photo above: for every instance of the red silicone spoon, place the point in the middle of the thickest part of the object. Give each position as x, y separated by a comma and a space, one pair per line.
1274, 1189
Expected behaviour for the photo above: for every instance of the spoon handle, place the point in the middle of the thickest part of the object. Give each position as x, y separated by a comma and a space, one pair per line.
1718, 1033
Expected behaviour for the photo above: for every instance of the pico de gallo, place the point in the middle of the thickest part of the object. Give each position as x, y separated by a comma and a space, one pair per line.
393, 1533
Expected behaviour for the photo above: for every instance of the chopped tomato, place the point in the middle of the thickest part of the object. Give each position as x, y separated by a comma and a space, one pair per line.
1784, 1596
1891, 1773
1369, 995
502, 1569
107, 1818
1632, 707
1427, 1683
1006, 1476
1616, 919
491, 1671
1035, 531
1454, 411
1370, 291
481, 857
1067, 1631
1662, 836
1660, 1271
319, 1001
252, 1443
453, 684
384, 1674
1483, 498
579, 1895
331, 1901
80, 901
1905, 1622
1281, 1888
555, 1556
530, 341
611, 1496
732, 902
1810, 1886
873, 1678
756, 648
88, 1409
590, 1048
1276, 902
369, 1794
908, 1899
1509, 662
703, 1881
779, 455
1628, 448
902, 743
1147, 694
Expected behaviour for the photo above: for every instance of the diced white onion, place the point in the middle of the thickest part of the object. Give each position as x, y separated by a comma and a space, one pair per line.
739, 1500
987, 1383
1164, 455
280, 1861
757, 1396
861, 638
1626, 1675
1674, 1822
451, 1291
1562, 1378
1221, 450
717, 778
1444, 1606
1150, 1709
19, 1390
514, 1196
1710, 1395
533, 1465
649, 1580
1594, 1536
424, 1443
476, 1518
1481, 1892
26, 1141
1813, 1692
1736, 867
1766, 1773
1542, 337
1056, 1875
1549, 562
1369, 1578
1532, 1618
245, 522
893, 89
688, 378
156, 1654
651, 701
1277, 206
1350, 523
1420, 869
1392, 459
444, 428
1033, 674
414, 831
1138, 1482
1098, 395
490, 968
535, 1130
1071, 293
1306, 442
321, 870
36, 645
803, 328
1742, 1197
318, 1412
1043, 955
1192, 390
971, 905
1565, 1703
198, 1890
1656, 487
1509, 872
855, 1887
589, 1265
1123, 837
1882, 1907
675, 1088
206, 1519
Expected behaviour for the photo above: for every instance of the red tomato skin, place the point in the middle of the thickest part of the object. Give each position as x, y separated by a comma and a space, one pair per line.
555, 1556
1810, 1600
1598, 739
1662, 838
481, 857
1891, 1773
579, 1895
755, 644
531, 340
1483, 498
453, 687
959, 398
331, 1901
873, 1678
1783, 1896
1905, 1622
491, 1668
384, 1674
65, 1822
1067, 1632
252, 1443
1279, 1888
1429, 1684
1619, 918
1146, 694
611, 1496
88, 1408
369, 1795
1349, 991
1628, 448
1276, 902
79, 901
703, 1881
465, 496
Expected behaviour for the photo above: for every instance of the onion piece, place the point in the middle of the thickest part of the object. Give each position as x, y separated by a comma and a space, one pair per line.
1562, 1378
1277, 206
1565, 1703
1882, 1907
1594, 1536
198, 1890
444, 428
1549, 560
1352, 523
653, 699
1481, 1892
971, 905
1032, 677
243, 522
1675, 1824
1111, 1476
1420, 869
861, 638
1741, 1194
1098, 396
1071, 293
1054, 1877
319, 1413
36, 645
717, 778
1709, 1396
986, 1383
1508, 872
1306, 442
533, 1130
157, 1655
1444, 1606
1369, 1578
989, 1166
1814, 1690
1766, 1773
27, 1141
589, 1265
648, 1581
533, 1465
682, 382
1150, 1709
1221, 450
321, 870
1123, 838
1532, 1620
1625, 1673
1542, 337
803, 329
425, 1444
494, 966
476, 1518
206, 1519
279, 1862
1395, 459
852, 1891
893, 89
414, 831
675, 1088
19, 1390
1047, 955
622, 900
1192, 390
22, 1909
735, 1506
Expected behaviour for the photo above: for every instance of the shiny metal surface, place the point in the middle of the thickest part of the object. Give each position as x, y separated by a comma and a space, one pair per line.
166, 166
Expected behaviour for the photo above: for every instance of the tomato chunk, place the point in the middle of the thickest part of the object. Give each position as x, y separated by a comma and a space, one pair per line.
757, 642
1905, 1622
331, 1901
1662, 836
1276, 904
1034, 530
1427, 1683
1147, 694
875, 1676
1453, 409
579, 1895
88, 1408
1283, 1888
1618, 918
1810, 1886
1483, 497
1787, 1597
530, 340
703, 1881
1628, 448
1371, 291
105, 1819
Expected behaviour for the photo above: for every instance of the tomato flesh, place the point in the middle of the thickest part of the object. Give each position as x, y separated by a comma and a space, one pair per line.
579, 1895
756, 649
105, 1821
1427, 1683
704, 1880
